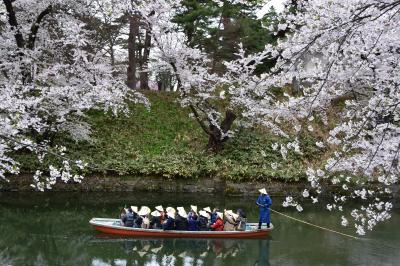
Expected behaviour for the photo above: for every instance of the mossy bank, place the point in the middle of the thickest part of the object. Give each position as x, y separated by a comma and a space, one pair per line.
164, 141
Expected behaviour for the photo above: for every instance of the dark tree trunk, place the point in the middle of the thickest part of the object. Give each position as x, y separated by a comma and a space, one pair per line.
134, 22
144, 74
27, 75
217, 137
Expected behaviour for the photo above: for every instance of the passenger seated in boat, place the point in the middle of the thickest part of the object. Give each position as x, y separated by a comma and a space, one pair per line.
231, 220
144, 214
218, 225
241, 220
214, 215
181, 221
138, 222
127, 218
169, 224
155, 222
203, 221
192, 219
160, 209
209, 212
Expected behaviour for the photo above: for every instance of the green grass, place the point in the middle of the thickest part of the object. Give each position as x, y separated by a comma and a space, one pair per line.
164, 141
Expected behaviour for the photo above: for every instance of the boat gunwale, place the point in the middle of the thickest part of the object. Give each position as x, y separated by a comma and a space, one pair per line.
176, 232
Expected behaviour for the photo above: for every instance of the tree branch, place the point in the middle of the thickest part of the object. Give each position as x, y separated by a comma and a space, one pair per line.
12, 19
36, 25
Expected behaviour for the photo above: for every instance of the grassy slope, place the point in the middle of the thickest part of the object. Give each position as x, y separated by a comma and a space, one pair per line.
164, 141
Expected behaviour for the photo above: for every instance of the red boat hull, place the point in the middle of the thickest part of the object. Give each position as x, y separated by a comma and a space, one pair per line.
137, 232
122, 232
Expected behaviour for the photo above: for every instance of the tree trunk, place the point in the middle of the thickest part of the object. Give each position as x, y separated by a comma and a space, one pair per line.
144, 74
134, 21
218, 137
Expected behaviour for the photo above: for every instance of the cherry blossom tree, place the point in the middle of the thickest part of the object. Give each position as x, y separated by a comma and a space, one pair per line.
50, 75
205, 93
344, 51
336, 52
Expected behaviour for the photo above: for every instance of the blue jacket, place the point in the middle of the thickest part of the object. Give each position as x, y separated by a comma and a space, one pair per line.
264, 202
128, 219
213, 217
192, 222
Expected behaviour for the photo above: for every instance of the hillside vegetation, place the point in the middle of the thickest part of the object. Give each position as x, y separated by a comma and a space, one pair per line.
165, 141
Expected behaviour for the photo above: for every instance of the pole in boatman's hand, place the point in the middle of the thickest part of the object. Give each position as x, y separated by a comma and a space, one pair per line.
264, 202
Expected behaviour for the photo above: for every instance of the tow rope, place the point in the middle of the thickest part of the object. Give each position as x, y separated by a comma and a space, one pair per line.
317, 226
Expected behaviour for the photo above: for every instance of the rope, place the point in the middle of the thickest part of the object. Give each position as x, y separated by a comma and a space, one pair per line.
317, 226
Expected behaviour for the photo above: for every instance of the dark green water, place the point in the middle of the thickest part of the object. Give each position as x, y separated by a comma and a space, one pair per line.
53, 229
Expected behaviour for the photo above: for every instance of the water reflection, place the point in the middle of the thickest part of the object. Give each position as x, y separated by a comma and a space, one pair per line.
53, 229
185, 251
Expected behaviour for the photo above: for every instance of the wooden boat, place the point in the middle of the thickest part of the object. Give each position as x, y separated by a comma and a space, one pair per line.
115, 227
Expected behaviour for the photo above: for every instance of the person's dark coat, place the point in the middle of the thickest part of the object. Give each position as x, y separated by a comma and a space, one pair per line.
181, 223
264, 202
169, 224
203, 223
192, 222
129, 219
155, 223
138, 222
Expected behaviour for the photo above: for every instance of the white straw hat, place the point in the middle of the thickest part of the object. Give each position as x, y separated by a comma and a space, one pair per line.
170, 209
220, 215
171, 214
182, 212
193, 208
159, 208
232, 214
263, 191
144, 211
180, 209
204, 214
207, 209
156, 213
135, 209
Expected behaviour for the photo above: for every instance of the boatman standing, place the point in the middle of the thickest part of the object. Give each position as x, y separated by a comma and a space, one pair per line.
264, 202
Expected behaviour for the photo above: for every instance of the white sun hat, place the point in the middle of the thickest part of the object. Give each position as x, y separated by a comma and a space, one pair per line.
183, 215
182, 212
135, 209
263, 191
232, 214
159, 208
193, 208
171, 214
170, 209
207, 209
144, 211
220, 215
156, 213
180, 209
204, 214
